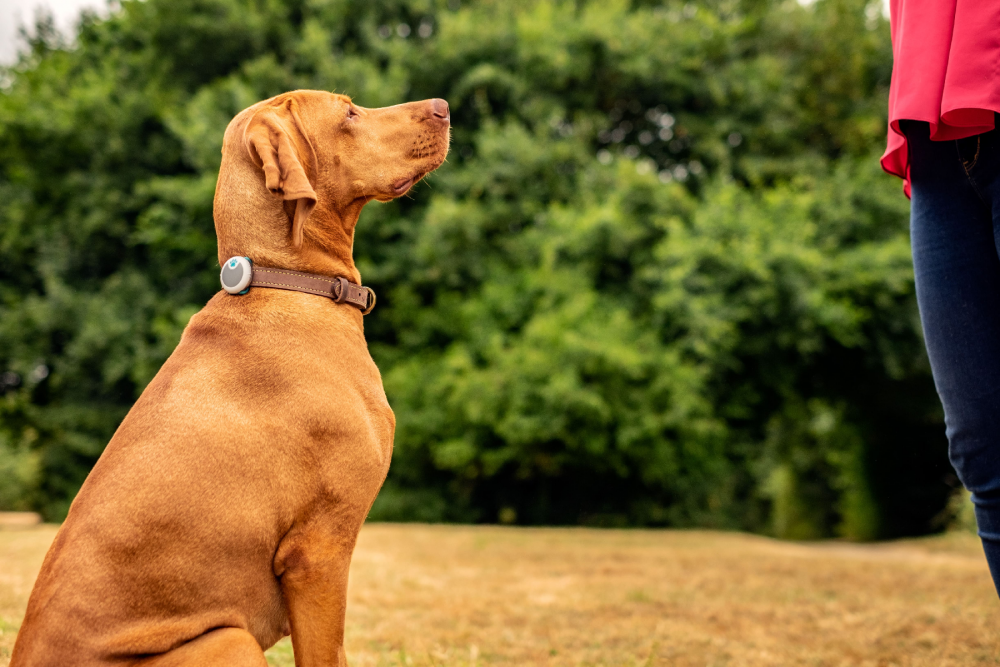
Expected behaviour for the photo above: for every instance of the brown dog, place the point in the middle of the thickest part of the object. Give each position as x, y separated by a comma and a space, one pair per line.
224, 512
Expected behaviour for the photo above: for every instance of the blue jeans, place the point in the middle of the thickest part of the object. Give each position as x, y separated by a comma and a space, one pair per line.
955, 232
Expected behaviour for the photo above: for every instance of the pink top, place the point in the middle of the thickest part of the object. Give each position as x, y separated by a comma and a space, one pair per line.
946, 71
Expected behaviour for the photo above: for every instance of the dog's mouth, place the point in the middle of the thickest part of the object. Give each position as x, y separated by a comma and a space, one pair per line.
397, 188
402, 185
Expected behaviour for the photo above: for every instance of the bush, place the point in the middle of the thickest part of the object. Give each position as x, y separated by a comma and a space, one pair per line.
660, 281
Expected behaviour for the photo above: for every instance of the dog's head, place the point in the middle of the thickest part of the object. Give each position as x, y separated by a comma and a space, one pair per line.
309, 160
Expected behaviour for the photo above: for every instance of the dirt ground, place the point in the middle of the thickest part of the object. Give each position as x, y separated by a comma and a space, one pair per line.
462, 596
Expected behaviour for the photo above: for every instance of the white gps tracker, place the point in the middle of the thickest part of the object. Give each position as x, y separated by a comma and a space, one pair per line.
236, 275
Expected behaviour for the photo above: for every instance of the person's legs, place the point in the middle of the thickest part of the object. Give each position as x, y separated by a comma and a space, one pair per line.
981, 161
957, 269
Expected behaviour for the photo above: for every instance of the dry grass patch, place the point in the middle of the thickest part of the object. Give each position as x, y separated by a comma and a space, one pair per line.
459, 595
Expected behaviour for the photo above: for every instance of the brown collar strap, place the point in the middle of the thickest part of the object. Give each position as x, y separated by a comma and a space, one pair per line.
239, 275
341, 290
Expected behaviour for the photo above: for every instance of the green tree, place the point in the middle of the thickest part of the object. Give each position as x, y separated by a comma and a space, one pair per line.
660, 281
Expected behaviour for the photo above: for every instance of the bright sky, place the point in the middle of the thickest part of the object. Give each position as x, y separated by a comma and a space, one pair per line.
15, 12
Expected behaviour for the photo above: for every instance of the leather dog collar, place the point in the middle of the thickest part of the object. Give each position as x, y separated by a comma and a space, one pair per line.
340, 290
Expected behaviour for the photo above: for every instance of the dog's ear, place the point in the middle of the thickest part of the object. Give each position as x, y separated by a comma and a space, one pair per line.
278, 144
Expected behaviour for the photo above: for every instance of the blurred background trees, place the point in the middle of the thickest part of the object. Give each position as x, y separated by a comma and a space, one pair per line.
660, 281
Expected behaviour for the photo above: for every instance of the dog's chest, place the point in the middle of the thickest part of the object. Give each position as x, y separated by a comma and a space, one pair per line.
350, 412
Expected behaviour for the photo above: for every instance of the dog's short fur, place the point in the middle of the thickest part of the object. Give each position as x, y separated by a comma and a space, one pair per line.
224, 512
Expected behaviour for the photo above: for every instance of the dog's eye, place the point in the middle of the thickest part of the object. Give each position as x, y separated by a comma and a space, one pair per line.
351, 113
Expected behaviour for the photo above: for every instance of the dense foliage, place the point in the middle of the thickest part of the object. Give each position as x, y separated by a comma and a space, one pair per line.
660, 281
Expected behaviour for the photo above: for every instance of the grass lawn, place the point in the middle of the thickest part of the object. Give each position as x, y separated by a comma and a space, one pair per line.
462, 596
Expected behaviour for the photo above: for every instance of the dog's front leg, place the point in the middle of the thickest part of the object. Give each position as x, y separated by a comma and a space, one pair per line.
313, 563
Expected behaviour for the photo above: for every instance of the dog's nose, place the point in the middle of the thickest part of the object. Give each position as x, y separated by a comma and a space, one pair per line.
440, 109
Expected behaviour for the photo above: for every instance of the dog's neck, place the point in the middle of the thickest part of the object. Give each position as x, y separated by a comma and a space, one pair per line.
328, 244
263, 233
